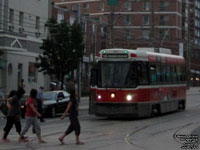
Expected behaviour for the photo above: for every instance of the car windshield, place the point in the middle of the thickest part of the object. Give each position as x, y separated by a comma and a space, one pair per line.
50, 96
117, 74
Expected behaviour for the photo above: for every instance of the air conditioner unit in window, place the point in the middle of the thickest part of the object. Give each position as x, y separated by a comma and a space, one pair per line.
11, 27
21, 29
37, 34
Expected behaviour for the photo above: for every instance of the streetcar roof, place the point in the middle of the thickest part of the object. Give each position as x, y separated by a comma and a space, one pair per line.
142, 54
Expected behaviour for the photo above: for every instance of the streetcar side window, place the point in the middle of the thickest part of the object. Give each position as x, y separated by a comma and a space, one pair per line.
178, 73
159, 73
164, 74
168, 74
153, 74
183, 77
174, 74
142, 73
171, 74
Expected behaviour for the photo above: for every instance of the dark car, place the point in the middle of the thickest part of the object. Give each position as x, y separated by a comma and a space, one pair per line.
55, 102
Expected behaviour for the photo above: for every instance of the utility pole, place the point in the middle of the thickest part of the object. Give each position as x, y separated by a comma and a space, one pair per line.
188, 44
152, 23
94, 36
80, 64
111, 26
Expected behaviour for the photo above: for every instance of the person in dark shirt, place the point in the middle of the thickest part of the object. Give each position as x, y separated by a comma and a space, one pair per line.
72, 109
13, 116
39, 100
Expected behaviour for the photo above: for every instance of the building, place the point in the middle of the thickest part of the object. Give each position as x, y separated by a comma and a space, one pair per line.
22, 28
171, 24
191, 34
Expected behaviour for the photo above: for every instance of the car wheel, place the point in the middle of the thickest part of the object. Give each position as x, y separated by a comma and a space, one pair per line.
53, 112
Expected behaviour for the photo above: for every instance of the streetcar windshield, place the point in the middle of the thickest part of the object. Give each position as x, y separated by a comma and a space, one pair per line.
117, 74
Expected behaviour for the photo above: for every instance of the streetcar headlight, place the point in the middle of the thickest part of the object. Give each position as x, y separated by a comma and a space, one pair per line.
99, 97
129, 97
112, 95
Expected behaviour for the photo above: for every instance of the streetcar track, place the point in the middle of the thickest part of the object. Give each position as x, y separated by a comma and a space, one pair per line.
127, 138
182, 127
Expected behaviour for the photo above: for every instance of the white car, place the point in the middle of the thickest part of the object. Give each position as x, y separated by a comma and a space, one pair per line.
55, 102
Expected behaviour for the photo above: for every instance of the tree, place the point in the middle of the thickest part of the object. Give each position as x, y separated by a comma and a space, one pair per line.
62, 50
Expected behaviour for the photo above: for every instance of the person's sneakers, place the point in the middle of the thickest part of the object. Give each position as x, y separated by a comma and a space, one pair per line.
61, 141
5, 140
42, 142
79, 143
23, 139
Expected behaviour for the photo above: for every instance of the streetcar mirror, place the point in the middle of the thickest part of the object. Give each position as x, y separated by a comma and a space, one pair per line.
93, 80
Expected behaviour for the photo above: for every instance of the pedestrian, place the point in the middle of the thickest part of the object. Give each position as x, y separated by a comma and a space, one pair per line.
72, 108
31, 117
39, 100
21, 85
13, 115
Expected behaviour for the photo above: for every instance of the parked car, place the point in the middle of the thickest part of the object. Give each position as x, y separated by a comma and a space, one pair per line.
55, 102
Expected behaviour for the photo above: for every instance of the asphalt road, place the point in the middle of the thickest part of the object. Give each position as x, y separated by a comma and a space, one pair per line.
157, 133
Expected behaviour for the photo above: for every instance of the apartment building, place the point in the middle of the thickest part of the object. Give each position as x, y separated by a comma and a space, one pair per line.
22, 28
171, 24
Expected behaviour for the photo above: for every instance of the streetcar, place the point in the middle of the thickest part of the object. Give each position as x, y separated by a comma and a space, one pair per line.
137, 83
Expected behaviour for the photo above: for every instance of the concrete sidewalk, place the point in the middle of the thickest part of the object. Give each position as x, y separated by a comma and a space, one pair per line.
193, 90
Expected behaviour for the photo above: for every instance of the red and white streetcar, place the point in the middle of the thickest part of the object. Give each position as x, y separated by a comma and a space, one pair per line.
137, 83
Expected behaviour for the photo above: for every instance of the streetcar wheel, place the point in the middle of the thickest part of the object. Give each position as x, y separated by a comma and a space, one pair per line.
155, 110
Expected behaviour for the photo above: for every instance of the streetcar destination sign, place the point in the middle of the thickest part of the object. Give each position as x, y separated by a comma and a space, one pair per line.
115, 56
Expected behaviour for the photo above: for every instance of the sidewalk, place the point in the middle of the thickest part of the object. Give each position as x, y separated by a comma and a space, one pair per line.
193, 90
84, 103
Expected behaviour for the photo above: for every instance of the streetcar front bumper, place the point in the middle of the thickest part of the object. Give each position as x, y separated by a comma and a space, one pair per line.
122, 109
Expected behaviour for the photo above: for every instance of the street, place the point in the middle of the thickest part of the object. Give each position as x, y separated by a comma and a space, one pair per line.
98, 133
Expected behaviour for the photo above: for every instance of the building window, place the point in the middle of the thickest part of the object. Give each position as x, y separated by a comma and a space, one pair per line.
146, 34
101, 6
128, 6
164, 19
164, 6
74, 7
103, 32
127, 20
146, 6
72, 19
60, 17
145, 20
11, 16
127, 35
86, 6
21, 18
101, 18
32, 73
37, 23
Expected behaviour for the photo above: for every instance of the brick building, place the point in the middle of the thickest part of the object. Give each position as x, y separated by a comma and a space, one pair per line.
132, 23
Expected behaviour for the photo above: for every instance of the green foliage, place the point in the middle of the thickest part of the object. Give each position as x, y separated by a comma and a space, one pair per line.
62, 50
